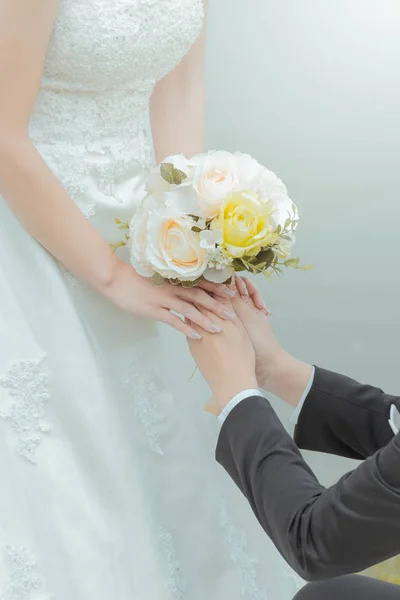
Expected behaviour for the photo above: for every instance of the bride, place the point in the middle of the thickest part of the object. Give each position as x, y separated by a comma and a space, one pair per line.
108, 491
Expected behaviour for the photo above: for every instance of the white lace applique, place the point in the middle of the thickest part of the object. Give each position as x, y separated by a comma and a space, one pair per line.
146, 394
89, 210
245, 564
24, 581
70, 279
175, 585
27, 387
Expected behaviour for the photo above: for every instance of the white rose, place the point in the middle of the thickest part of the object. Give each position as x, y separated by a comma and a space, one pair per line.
222, 275
171, 248
182, 200
283, 248
271, 184
249, 172
181, 163
214, 179
138, 239
157, 186
284, 209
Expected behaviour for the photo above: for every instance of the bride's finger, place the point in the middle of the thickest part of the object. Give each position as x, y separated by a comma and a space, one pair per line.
165, 316
209, 322
200, 298
217, 289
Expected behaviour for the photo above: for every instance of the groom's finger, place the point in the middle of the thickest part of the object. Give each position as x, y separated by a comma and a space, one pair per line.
255, 294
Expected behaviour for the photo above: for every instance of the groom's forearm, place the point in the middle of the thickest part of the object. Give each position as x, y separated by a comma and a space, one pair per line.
338, 415
321, 533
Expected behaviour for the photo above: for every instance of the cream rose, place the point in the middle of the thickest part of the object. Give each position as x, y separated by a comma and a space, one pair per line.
214, 179
169, 246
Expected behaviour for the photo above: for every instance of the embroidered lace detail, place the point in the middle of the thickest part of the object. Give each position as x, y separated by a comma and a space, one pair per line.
70, 279
91, 117
27, 387
24, 580
240, 557
175, 585
146, 393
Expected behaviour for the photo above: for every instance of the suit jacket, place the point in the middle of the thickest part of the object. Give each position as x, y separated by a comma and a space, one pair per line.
320, 532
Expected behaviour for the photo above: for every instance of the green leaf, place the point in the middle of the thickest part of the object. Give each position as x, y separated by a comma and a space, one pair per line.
265, 257
120, 244
292, 262
190, 284
157, 279
196, 229
238, 265
172, 175
287, 222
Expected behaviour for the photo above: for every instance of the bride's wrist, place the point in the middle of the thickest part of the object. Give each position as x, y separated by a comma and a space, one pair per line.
107, 279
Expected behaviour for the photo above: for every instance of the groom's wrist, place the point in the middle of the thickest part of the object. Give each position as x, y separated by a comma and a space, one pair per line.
285, 377
233, 386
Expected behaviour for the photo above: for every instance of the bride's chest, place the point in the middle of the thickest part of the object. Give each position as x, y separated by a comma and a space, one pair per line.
119, 41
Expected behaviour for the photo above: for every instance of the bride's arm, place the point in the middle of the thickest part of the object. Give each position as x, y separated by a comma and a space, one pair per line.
38, 199
33, 193
178, 105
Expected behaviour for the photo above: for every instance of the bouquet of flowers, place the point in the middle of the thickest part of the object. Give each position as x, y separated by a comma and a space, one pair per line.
209, 217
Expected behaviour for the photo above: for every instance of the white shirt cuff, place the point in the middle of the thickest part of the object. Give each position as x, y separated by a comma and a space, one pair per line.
295, 416
235, 401
394, 420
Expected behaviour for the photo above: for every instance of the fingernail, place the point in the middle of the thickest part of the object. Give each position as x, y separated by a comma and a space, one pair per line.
215, 328
229, 314
195, 335
265, 308
229, 292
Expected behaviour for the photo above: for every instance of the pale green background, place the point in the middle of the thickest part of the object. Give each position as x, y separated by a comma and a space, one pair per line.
311, 88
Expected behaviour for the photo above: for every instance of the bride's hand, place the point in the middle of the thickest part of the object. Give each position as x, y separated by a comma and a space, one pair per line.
140, 296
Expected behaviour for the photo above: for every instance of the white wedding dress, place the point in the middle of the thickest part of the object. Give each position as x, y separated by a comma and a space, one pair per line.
109, 490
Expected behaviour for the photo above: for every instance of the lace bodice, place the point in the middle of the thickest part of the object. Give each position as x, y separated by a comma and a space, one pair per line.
103, 61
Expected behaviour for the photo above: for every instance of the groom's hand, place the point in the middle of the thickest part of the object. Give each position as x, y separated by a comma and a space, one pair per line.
277, 372
269, 353
226, 361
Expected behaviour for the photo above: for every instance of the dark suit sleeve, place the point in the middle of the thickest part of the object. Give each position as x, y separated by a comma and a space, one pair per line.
321, 532
341, 416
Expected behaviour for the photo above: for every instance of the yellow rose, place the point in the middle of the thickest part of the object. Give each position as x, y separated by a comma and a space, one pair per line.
246, 225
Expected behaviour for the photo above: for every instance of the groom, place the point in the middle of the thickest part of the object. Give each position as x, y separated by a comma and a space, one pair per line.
324, 534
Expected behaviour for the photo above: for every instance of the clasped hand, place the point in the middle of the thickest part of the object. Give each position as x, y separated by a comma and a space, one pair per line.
235, 360
168, 303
